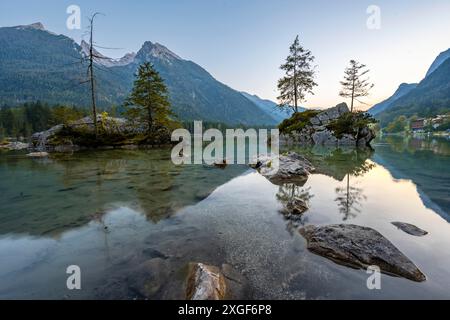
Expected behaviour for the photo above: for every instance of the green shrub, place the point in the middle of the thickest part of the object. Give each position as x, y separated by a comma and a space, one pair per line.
350, 123
298, 121
398, 125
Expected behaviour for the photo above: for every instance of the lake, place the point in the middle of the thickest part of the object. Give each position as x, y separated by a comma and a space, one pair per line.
132, 221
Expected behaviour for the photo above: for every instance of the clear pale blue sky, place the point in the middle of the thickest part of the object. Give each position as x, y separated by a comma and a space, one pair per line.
243, 42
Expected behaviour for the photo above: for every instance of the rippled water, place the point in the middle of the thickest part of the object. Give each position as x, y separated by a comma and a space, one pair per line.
133, 221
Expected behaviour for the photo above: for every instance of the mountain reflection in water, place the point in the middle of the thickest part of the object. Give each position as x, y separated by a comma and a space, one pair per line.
49, 196
133, 221
425, 161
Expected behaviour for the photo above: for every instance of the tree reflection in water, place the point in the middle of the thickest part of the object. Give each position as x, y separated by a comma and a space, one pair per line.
341, 164
288, 192
349, 198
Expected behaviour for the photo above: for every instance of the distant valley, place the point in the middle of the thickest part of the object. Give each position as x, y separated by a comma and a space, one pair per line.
429, 97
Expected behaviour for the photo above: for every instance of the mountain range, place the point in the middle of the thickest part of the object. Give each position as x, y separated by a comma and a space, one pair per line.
429, 97
36, 64
271, 107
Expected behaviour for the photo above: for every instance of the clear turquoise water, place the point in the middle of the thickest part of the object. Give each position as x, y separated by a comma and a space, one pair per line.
115, 212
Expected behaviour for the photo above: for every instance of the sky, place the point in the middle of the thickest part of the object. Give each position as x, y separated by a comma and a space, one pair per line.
242, 43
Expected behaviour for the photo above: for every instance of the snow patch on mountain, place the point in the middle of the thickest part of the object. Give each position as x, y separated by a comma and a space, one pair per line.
104, 60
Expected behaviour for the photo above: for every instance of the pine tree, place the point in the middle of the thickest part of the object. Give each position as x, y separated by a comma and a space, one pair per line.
148, 101
354, 84
8, 121
299, 77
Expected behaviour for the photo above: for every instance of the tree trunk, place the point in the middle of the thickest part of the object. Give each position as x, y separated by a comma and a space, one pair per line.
353, 94
91, 72
295, 91
150, 121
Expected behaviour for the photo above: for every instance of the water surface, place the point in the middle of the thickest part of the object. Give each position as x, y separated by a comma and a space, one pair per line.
133, 221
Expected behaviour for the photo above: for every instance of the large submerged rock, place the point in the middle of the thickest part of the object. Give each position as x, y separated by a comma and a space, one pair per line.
360, 247
317, 131
290, 167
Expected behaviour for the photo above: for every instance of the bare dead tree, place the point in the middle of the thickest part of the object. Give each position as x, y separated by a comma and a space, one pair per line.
91, 58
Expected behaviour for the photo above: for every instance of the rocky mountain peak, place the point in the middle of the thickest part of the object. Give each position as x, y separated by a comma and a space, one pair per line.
156, 50
440, 59
36, 25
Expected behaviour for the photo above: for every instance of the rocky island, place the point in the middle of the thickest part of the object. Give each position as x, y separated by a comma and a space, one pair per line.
336, 126
112, 133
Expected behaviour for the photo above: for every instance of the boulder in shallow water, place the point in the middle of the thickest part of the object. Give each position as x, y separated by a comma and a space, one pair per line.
360, 247
410, 229
205, 283
290, 167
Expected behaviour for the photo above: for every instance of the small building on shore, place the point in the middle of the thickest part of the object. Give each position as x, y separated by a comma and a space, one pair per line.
418, 125
439, 120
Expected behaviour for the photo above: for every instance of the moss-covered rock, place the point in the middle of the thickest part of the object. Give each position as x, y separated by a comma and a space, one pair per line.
298, 121
333, 126
350, 123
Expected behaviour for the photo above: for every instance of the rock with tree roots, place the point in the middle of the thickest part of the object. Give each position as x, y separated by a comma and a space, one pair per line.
360, 247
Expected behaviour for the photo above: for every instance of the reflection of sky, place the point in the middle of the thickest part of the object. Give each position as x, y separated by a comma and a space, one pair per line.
427, 199
425, 162
241, 217
242, 43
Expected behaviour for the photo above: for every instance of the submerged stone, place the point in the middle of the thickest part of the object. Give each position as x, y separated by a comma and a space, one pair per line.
294, 208
205, 283
37, 154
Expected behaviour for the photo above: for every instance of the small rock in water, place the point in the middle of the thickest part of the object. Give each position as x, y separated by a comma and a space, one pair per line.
37, 154
290, 167
294, 208
205, 283
360, 247
410, 229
